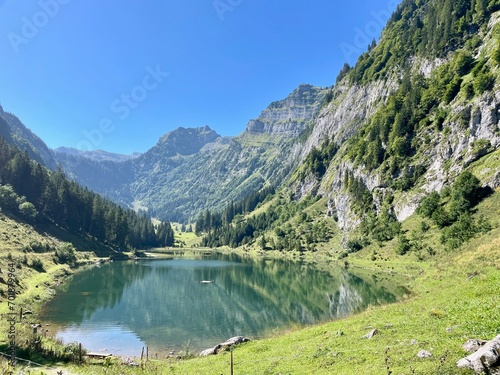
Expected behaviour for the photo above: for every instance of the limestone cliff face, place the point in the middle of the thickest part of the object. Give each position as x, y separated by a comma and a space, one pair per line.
350, 108
289, 116
471, 131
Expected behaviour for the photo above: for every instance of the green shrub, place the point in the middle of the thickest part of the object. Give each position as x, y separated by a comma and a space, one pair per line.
66, 254
429, 204
403, 245
496, 54
37, 264
38, 247
459, 232
484, 81
354, 245
28, 211
452, 89
467, 187
441, 217
464, 63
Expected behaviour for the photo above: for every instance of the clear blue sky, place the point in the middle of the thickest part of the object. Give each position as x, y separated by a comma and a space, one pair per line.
118, 74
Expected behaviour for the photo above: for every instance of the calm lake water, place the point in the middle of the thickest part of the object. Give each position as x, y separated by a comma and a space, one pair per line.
121, 307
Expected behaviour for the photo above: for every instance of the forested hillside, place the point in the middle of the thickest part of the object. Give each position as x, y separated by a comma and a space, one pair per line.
415, 118
15, 133
31, 192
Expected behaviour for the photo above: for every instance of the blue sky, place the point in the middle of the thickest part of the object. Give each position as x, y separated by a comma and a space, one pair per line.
118, 74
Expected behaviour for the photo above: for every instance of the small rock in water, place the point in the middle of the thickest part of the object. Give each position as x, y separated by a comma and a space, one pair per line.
424, 354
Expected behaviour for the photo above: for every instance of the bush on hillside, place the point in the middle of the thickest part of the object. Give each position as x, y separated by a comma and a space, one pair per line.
66, 254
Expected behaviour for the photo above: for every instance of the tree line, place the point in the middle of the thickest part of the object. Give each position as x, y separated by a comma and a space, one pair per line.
207, 221
272, 228
29, 190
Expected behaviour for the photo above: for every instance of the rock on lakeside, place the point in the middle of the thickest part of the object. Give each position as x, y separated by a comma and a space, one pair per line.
223, 346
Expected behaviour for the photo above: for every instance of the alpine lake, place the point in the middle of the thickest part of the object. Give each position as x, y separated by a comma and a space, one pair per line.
193, 302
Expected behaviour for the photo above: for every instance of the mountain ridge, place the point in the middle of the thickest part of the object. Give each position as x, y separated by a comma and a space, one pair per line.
435, 115
97, 155
16, 133
192, 169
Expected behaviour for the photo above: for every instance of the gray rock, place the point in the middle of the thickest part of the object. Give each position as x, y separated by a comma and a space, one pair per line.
473, 345
223, 346
424, 354
211, 351
485, 360
494, 181
235, 341
370, 334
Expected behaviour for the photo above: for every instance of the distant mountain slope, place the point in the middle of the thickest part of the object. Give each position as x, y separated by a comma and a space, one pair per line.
14, 132
189, 170
416, 109
98, 155
30, 192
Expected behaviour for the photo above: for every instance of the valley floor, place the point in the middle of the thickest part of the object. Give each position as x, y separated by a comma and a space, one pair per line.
454, 297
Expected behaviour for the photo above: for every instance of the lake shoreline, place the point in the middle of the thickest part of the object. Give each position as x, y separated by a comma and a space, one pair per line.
422, 275
203, 255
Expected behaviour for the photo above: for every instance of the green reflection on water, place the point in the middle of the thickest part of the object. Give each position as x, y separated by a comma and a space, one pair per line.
164, 304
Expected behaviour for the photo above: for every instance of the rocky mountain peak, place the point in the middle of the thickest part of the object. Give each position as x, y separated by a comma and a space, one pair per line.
186, 141
290, 115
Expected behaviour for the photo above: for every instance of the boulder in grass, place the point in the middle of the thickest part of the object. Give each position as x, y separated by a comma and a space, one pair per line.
424, 354
370, 334
223, 346
485, 360
473, 345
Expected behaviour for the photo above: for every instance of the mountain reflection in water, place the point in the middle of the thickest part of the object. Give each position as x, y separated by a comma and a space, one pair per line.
163, 304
